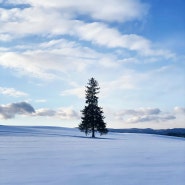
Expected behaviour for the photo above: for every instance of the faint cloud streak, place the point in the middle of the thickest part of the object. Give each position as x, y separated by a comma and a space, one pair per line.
12, 92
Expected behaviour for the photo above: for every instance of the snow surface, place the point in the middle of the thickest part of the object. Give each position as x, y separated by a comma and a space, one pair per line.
62, 156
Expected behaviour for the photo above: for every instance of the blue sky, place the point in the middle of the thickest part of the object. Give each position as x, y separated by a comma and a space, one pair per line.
133, 48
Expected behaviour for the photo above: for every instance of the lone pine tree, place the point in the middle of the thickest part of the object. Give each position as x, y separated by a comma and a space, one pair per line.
92, 119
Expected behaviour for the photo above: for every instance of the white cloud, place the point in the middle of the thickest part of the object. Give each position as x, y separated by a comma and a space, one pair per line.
101, 34
38, 20
5, 37
78, 91
128, 81
12, 92
3, 49
140, 111
109, 62
122, 83
60, 113
10, 110
144, 115
44, 63
45, 112
25, 64
179, 110
111, 10
149, 118
41, 101
137, 112
55, 56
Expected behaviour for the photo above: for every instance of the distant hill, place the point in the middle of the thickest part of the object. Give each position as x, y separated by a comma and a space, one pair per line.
178, 132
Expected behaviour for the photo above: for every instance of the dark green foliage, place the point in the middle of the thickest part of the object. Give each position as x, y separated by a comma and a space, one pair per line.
92, 115
176, 134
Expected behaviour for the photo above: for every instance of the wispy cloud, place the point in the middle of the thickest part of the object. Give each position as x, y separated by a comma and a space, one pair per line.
5, 37
111, 10
124, 82
12, 92
77, 91
55, 56
49, 20
41, 101
43, 64
63, 20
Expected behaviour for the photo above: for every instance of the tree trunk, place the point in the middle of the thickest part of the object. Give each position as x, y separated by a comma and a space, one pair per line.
93, 134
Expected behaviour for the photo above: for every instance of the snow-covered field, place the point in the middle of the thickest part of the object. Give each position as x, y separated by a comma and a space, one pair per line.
61, 156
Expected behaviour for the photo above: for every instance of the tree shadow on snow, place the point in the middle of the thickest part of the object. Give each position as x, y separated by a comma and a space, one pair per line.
98, 138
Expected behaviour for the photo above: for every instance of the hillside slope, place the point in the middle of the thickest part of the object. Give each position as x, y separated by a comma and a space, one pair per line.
62, 156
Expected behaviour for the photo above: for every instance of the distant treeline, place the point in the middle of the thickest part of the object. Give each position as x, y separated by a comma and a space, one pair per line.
177, 132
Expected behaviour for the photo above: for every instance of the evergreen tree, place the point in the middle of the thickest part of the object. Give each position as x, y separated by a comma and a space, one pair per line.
92, 115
